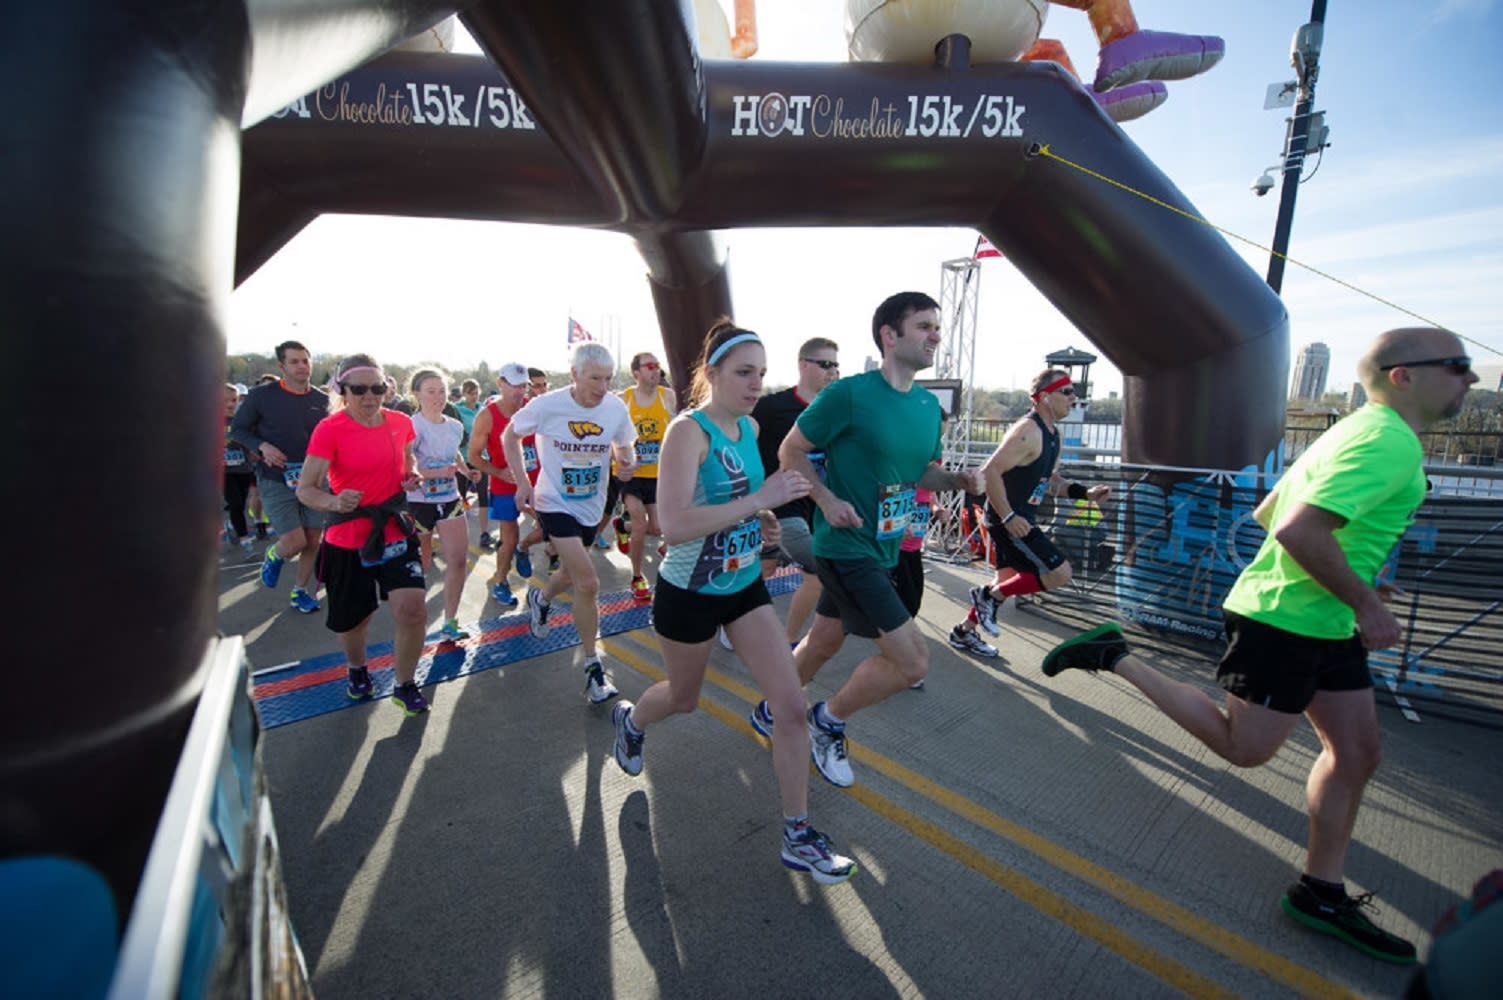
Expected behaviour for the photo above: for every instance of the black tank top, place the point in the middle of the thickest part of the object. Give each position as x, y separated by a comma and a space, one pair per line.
1026, 484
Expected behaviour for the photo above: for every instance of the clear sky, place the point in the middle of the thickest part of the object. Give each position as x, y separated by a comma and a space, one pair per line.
1405, 205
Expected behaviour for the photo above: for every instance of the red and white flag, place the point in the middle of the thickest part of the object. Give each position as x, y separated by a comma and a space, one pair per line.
985, 249
577, 333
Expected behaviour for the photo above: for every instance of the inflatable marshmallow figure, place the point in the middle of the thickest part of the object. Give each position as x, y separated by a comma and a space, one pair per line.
1130, 67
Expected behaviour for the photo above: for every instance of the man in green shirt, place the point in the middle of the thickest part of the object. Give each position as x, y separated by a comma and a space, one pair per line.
880, 434
1302, 616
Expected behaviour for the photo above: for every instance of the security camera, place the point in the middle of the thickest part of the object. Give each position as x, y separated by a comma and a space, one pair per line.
1263, 184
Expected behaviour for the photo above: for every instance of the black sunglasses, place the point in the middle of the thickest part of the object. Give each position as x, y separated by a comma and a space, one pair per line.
357, 389
826, 365
1068, 390
1456, 366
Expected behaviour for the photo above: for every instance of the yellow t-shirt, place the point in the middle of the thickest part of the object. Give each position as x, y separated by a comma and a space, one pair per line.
651, 422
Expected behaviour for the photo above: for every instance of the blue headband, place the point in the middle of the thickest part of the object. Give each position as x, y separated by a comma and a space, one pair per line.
740, 338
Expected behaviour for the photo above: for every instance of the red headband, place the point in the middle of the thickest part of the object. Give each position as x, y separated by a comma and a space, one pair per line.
1054, 386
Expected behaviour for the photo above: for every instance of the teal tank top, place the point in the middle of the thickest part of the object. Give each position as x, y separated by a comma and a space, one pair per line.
729, 560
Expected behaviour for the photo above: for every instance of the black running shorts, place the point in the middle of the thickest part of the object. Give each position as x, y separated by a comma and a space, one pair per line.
908, 577
861, 593
690, 616
1280, 670
355, 591
556, 525
1033, 553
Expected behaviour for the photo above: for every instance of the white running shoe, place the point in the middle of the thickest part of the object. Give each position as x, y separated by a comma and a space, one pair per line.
985, 606
827, 747
596, 687
537, 612
967, 640
808, 850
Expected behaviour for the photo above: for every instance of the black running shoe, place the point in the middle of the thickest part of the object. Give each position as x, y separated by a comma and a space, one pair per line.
1346, 921
1098, 649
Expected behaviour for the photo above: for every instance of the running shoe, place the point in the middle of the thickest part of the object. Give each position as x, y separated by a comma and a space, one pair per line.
968, 641
263, 530
1346, 922
827, 747
628, 747
985, 606
1098, 649
596, 687
917, 685
501, 594
623, 534
524, 564
361, 684
641, 590
487, 543
537, 609
248, 546
601, 542
453, 633
303, 601
761, 719
271, 567
410, 698
808, 850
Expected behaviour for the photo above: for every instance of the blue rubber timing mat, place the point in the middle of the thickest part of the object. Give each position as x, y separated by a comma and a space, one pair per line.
316, 686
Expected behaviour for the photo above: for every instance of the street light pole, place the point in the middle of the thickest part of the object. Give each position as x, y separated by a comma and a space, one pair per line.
1306, 57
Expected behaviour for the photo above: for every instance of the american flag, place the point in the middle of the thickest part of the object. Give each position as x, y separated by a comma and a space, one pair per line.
577, 333
985, 249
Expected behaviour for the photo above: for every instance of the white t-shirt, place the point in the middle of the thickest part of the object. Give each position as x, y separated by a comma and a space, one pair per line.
574, 449
436, 445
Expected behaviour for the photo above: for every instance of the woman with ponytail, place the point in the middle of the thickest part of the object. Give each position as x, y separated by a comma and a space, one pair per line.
715, 508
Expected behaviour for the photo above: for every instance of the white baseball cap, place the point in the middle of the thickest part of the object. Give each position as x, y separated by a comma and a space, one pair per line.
513, 373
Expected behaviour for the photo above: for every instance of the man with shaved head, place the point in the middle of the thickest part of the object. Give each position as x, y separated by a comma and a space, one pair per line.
1302, 616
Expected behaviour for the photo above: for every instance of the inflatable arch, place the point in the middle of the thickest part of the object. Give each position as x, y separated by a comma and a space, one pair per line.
139, 134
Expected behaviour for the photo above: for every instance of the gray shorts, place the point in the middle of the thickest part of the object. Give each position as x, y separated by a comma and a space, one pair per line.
796, 547
285, 511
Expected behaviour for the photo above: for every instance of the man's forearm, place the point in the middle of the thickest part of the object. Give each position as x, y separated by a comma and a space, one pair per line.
1319, 554
794, 460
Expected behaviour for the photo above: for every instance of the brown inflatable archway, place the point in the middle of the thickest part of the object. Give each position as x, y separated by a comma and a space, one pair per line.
123, 166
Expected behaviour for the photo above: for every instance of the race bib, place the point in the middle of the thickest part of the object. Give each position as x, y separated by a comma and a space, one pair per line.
292, 473
894, 505
393, 550
441, 488
647, 452
580, 481
743, 545
1039, 492
234, 457
918, 521
529, 458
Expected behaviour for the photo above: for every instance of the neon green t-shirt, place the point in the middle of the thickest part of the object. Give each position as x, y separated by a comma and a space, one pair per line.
1369, 469
877, 443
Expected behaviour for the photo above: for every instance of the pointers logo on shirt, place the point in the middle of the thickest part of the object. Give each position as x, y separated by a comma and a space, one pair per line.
582, 429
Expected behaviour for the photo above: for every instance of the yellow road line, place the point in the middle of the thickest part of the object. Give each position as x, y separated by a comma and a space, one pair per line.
1172, 915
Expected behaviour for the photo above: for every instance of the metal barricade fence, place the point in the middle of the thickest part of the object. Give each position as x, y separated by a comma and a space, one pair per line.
1162, 552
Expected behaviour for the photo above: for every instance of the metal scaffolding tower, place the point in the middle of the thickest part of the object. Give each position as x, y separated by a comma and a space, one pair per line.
960, 286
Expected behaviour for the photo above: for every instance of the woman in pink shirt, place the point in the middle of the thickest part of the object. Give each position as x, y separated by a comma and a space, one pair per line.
359, 468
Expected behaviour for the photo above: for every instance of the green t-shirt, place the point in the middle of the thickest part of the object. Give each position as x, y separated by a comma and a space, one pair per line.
1369, 469
877, 443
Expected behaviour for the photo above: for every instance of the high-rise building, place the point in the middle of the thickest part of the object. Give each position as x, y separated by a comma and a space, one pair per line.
1357, 397
1310, 371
